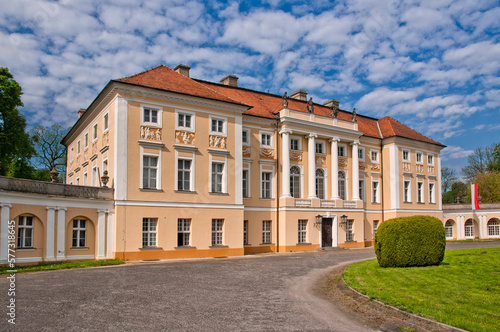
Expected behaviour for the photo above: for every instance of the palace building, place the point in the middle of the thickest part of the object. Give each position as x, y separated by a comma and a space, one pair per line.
202, 169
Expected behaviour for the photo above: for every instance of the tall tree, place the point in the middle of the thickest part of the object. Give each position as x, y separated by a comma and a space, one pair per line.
480, 161
15, 144
457, 194
49, 152
488, 187
448, 177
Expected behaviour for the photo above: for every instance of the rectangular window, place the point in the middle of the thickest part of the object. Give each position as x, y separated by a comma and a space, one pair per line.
245, 232
106, 122
420, 192
362, 190
104, 165
374, 156
245, 136
341, 151
266, 231
419, 158
150, 116
302, 231
217, 227
183, 232
320, 148
78, 148
431, 193
94, 133
149, 232
430, 159
183, 175
407, 197
217, 126
217, 175
406, 155
361, 153
86, 140
294, 144
77, 181
246, 191
79, 233
184, 120
265, 139
149, 172
348, 231
85, 177
25, 232
375, 226
375, 192
94, 176
266, 184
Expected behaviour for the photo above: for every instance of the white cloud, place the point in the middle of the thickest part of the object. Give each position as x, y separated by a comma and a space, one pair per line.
455, 152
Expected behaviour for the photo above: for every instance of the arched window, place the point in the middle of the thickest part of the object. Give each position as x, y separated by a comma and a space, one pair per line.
342, 185
320, 183
493, 227
469, 228
448, 227
295, 181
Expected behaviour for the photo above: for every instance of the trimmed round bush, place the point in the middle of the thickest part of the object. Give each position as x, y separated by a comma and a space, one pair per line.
410, 241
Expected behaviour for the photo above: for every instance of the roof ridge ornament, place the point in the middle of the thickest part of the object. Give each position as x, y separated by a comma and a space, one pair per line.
354, 115
310, 105
285, 100
334, 111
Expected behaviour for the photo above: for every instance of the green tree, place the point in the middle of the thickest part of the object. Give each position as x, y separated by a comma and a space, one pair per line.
457, 194
448, 177
49, 152
480, 161
488, 187
15, 144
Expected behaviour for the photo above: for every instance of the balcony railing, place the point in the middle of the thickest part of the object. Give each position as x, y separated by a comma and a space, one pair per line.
303, 202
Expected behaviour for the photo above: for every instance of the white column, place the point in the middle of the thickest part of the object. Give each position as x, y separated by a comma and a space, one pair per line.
335, 231
462, 227
110, 245
101, 233
355, 171
335, 167
285, 161
61, 234
120, 174
311, 165
238, 158
4, 232
49, 248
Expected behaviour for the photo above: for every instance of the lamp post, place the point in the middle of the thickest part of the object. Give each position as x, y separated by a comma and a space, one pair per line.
318, 219
343, 220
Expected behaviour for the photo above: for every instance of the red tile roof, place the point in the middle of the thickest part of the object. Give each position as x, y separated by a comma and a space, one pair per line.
263, 104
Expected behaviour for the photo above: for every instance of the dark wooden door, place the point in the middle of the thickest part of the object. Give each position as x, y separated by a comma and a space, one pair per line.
326, 232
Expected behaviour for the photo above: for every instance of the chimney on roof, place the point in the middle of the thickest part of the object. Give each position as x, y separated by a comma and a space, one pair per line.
299, 95
230, 80
332, 103
80, 112
182, 69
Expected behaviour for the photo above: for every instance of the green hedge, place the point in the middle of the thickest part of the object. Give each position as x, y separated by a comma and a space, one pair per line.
410, 241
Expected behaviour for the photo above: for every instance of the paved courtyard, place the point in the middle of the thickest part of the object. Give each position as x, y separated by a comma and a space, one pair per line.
271, 292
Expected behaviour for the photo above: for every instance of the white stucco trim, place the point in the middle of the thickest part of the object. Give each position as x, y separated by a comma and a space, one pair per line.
179, 205
238, 160
120, 148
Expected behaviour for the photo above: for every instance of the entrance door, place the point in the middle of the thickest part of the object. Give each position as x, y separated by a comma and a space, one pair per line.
326, 232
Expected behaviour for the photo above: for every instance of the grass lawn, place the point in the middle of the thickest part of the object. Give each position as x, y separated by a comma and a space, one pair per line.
61, 265
464, 291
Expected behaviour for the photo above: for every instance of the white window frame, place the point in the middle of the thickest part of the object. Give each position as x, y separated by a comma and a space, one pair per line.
493, 229
22, 229
79, 229
420, 192
245, 232
192, 127
407, 160
158, 168
192, 174
421, 154
95, 129
224, 175
247, 131
376, 160
217, 232
77, 181
346, 184
299, 143
432, 192
266, 231
85, 178
375, 191
375, 227
271, 181
323, 147
152, 232
344, 148
184, 228
302, 231
86, 141
94, 176
271, 139
105, 123
349, 230
301, 184
105, 165
469, 229
362, 189
448, 228
71, 154
408, 200
325, 181
224, 125
78, 148
248, 183
432, 157
157, 124
361, 153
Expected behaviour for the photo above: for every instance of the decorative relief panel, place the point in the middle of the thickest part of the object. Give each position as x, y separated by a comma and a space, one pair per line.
94, 148
105, 138
320, 160
430, 169
267, 153
342, 162
246, 151
295, 156
407, 167
78, 160
85, 155
184, 137
420, 168
362, 165
151, 134
375, 167
217, 142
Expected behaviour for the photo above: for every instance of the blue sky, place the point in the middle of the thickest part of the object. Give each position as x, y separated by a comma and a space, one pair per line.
432, 64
